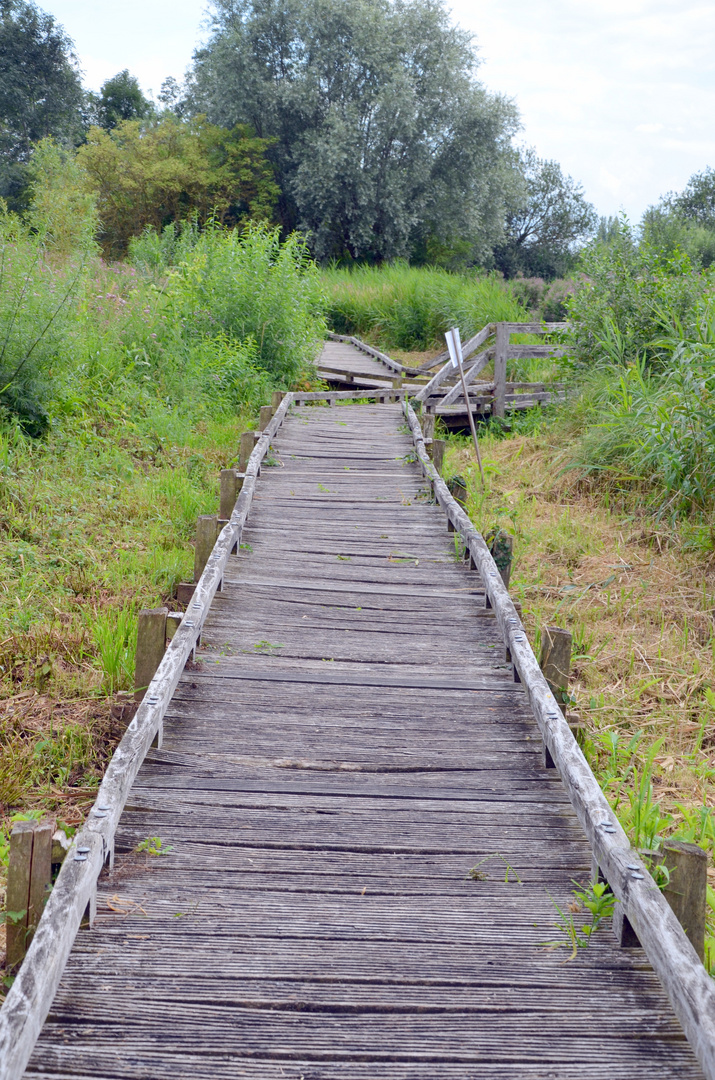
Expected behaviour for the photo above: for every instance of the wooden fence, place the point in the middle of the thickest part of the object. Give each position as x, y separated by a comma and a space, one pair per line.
641, 905
444, 390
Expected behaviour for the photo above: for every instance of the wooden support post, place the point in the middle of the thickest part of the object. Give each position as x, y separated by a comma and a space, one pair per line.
501, 349
18, 891
438, 447
428, 419
686, 891
206, 533
40, 875
173, 621
265, 416
231, 484
276, 398
555, 661
246, 449
397, 383
501, 547
151, 643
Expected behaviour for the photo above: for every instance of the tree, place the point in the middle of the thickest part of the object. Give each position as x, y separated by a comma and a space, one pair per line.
383, 136
40, 90
173, 170
120, 99
697, 201
549, 217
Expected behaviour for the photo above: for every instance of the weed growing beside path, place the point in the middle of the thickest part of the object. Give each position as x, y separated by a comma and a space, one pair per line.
639, 600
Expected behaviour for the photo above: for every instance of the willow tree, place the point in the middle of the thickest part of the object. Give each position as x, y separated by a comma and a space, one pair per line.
383, 134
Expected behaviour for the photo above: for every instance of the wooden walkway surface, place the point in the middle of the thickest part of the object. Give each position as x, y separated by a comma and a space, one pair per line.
347, 747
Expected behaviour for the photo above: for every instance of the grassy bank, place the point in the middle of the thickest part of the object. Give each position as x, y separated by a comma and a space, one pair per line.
410, 308
126, 389
638, 596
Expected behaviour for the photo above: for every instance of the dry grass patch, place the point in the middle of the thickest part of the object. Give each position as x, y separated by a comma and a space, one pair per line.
640, 606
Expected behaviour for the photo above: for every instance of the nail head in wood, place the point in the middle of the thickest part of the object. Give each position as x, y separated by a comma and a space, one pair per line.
151, 643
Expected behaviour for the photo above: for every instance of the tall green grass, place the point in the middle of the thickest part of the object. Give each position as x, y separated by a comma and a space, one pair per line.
410, 308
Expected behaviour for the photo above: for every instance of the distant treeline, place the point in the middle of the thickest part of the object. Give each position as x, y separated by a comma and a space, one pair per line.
363, 125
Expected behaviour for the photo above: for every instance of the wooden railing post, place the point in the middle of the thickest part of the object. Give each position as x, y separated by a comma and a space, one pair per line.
264, 417
438, 448
18, 891
29, 876
248, 441
151, 644
231, 484
686, 890
428, 419
501, 547
501, 349
555, 661
276, 398
206, 533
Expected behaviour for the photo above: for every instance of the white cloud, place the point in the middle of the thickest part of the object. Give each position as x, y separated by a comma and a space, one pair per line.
622, 93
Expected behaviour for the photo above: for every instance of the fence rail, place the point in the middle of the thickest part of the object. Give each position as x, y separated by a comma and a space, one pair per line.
639, 900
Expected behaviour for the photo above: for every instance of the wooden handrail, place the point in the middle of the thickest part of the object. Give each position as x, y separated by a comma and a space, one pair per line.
499, 353
30, 997
689, 987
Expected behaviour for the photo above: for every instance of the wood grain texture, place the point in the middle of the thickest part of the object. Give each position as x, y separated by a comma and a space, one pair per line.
346, 748
690, 989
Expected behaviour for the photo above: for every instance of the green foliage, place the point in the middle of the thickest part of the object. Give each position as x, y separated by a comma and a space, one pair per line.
411, 308
36, 312
251, 290
153, 845
120, 99
115, 633
630, 296
384, 137
170, 170
63, 212
656, 428
545, 222
40, 90
599, 901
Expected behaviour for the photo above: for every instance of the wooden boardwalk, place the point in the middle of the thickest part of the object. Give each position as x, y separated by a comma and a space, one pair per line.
348, 746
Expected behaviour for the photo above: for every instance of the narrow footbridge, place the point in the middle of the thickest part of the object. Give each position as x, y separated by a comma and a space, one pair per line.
363, 845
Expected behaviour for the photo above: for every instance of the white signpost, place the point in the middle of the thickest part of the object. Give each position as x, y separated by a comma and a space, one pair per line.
454, 345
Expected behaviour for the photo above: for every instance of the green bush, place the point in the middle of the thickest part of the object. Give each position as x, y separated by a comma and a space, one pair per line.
37, 305
410, 308
245, 288
630, 296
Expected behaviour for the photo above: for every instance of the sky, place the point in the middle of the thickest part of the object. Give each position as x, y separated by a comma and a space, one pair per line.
620, 92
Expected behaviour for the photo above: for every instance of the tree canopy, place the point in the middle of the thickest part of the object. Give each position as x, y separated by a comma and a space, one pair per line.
383, 136
171, 170
120, 99
40, 89
548, 218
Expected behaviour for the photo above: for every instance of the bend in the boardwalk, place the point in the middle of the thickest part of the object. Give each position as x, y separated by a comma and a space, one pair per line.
348, 747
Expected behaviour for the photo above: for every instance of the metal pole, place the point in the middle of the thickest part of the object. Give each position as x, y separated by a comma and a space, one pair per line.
457, 355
